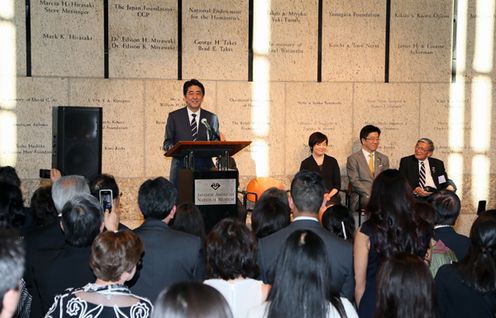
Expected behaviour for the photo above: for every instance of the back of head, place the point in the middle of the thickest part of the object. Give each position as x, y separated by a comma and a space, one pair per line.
66, 188
191, 300
405, 288
478, 268
188, 219
82, 219
339, 220
156, 198
231, 251
447, 206
390, 209
11, 207
113, 253
302, 278
11, 262
270, 214
43, 208
307, 191
104, 181
367, 129
9, 175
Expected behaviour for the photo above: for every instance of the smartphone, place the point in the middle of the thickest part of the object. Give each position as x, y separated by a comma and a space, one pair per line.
106, 197
45, 173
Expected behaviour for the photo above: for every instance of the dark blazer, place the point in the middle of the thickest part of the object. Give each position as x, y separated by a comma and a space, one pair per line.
170, 257
409, 168
178, 127
330, 171
458, 243
54, 270
339, 253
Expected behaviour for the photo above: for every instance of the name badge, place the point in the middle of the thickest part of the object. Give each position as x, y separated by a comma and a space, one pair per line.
441, 179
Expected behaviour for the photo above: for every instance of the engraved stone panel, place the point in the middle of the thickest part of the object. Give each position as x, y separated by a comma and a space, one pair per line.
254, 111
394, 108
353, 40
320, 107
67, 38
478, 45
123, 127
420, 49
215, 39
143, 38
292, 39
163, 97
26, 129
20, 37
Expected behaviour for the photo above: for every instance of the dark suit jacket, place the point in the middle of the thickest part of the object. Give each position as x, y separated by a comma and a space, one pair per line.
339, 253
170, 257
458, 243
330, 171
409, 168
54, 270
178, 127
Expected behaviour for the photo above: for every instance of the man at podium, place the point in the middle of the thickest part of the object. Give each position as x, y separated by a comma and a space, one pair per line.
191, 123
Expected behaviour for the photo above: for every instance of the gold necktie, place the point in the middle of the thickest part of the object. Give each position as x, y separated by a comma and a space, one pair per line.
371, 164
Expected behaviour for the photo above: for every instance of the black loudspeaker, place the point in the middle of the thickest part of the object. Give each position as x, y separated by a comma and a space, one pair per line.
77, 140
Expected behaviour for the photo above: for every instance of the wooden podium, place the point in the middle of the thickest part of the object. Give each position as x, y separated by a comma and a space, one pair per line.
213, 191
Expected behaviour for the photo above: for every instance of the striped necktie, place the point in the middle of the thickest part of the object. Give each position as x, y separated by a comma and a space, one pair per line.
422, 175
194, 128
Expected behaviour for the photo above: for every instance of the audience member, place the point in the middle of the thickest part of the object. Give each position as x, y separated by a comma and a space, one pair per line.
468, 288
302, 284
43, 208
447, 206
113, 259
107, 182
52, 270
338, 220
11, 269
232, 266
9, 175
306, 199
324, 165
191, 300
271, 212
405, 289
170, 256
393, 227
364, 165
11, 207
189, 219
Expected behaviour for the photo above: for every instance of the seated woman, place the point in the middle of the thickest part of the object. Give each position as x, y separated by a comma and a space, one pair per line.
302, 285
468, 288
232, 266
324, 165
405, 288
191, 300
113, 259
271, 213
189, 219
337, 219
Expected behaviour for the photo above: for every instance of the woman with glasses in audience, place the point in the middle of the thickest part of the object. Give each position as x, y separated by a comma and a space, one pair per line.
302, 283
114, 256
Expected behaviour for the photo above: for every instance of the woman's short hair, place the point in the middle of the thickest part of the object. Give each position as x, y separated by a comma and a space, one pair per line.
114, 253
316, 138
231, 251
478, 268
339, 220
188, 219
43, 208
270, 214
405, 288
191, 300
11, 207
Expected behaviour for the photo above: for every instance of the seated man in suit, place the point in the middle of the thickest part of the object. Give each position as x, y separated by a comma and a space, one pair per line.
11, 269
306, 199
447, 206
424, 173
52, 270
191, 123
170, 256
364, 165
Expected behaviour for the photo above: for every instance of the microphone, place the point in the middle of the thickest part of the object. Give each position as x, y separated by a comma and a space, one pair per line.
210, 131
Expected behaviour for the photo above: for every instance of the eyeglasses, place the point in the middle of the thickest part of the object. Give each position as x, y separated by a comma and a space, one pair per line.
373, 139
422, 149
